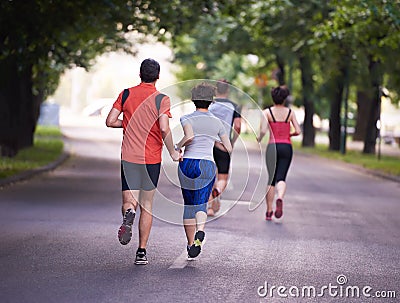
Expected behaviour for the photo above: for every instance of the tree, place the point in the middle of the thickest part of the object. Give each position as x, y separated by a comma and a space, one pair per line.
372, 27
40, 39
347, 42
335, 50
285, 28
222, 54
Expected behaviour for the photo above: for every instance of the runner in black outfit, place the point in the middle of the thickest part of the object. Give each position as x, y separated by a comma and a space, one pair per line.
279, 150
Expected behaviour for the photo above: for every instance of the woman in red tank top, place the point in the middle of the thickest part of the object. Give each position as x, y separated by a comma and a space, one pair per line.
279, 149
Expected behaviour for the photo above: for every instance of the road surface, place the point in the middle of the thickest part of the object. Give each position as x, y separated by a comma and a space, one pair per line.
340, 234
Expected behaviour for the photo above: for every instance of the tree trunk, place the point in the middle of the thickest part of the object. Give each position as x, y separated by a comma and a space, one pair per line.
334, 116
363, 108
281, 72
17, 118
374, 111
308, 90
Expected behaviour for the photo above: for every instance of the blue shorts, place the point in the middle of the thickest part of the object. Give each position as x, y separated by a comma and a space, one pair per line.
196, 177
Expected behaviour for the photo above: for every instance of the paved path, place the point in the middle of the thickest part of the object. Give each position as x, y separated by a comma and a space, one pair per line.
58, 235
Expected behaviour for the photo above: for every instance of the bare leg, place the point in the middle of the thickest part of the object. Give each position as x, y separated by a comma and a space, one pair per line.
281, 189
190, 229
146, 216
201, 218
270, 197
222, 182
130, 199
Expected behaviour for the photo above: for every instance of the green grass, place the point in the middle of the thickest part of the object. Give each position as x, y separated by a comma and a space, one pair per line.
387, 164
48, 146
48, 131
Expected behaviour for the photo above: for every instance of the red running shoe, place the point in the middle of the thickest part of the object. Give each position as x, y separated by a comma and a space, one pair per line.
279, 208
216, 203
215, 192
125, 231
268, 215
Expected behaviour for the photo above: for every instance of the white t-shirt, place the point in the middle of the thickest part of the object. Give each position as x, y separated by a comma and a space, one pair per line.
207, 129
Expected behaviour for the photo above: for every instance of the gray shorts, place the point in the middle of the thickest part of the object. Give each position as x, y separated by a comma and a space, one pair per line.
139, 176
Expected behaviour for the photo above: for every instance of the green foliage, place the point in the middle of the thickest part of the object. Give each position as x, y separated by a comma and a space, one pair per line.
360, 30
331, 31
52, 36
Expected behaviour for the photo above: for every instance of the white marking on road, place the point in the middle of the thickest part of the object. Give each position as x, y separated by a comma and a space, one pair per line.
236, 202
181, 261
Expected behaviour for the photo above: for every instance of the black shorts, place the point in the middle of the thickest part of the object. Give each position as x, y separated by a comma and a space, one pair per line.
139, 176
222, 160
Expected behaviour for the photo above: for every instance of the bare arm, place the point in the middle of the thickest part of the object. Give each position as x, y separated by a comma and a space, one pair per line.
226, 143
187, 137
167, 137
297, 128
263, 127
112, 118
237, 125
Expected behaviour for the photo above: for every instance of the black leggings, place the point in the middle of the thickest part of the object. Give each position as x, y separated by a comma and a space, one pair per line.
279, 156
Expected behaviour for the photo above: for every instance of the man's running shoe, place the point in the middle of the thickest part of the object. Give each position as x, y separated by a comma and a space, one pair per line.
279, 208
268, 215
195, 249
141, 258
125, 230
189, 258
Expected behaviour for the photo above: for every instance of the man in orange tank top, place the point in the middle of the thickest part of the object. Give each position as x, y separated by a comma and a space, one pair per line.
145, 125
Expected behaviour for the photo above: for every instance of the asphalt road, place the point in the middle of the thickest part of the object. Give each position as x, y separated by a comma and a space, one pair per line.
340, 232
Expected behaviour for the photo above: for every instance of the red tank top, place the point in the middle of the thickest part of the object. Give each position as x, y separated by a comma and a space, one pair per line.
280, 130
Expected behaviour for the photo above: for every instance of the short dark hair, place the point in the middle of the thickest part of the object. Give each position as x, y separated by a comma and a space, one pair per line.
203, 91
279, 94
203, 95
149, 70
201, 103
222, 86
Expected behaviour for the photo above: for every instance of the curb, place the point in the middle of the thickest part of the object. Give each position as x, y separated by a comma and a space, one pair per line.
356, 167
349, 165
375, 173
33, 172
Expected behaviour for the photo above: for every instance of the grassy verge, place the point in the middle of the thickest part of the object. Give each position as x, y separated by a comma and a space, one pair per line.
387, 164
48, 146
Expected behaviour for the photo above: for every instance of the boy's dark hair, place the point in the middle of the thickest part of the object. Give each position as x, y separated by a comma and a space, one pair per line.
149, 70
279, 94
203, 95
201, 103
222, 86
